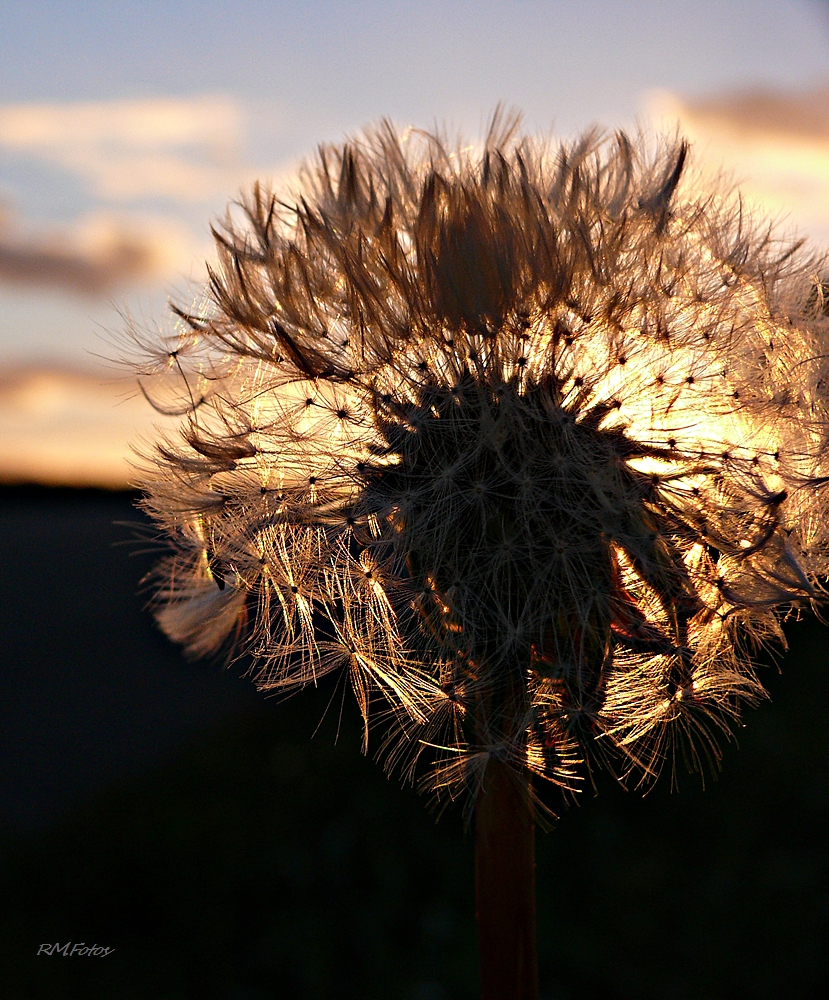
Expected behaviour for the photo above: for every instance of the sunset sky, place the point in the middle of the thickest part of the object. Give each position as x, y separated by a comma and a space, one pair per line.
126, 127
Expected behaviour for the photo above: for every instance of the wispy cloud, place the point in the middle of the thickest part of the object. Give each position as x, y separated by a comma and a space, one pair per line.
775, 145
188, 149
68, 428
97, 254
175, 153
766, 113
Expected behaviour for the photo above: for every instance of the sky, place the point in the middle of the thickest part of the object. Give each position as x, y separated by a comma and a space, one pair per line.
126, 127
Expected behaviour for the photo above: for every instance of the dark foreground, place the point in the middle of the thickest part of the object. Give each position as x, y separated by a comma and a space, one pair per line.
163, 810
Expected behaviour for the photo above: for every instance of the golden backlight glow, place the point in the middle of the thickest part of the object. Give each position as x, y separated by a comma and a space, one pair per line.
775, 146
527, 440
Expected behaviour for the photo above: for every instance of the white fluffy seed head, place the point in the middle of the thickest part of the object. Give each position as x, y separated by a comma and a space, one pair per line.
528, 441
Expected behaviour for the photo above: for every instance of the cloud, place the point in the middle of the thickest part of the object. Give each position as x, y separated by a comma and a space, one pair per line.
763, 113
186, 151
775, 145
182, 148
63, 428
35, 264
99, 253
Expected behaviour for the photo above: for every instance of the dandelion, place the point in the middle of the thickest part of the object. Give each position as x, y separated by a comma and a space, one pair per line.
528, 441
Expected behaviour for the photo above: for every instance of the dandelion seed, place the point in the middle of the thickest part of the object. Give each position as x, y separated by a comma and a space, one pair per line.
534, 452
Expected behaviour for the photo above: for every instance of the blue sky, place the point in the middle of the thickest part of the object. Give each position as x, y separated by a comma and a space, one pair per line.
333, 66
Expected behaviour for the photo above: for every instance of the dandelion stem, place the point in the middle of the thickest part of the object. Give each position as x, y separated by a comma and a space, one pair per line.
505, 886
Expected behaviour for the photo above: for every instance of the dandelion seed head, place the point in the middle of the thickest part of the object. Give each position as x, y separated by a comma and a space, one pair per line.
527, 440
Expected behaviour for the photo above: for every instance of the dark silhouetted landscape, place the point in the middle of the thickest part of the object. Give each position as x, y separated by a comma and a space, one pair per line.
228, 846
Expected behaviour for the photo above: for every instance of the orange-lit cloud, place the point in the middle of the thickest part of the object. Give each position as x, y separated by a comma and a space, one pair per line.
181, 148
35, 264
69, 429
99, 253
775, 146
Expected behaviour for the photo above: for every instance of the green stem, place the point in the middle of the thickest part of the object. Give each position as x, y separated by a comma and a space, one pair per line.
505, 886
